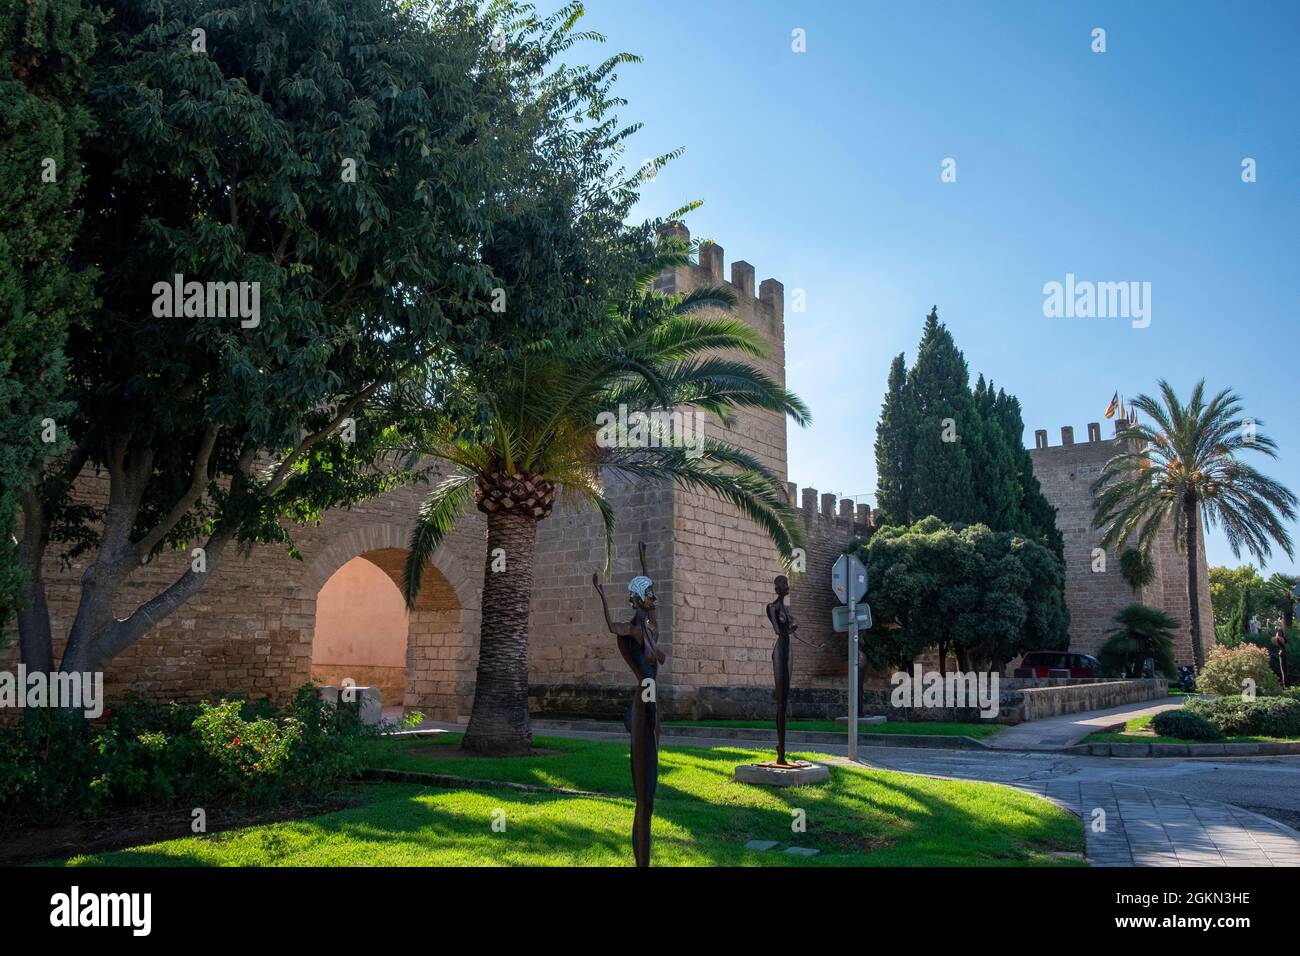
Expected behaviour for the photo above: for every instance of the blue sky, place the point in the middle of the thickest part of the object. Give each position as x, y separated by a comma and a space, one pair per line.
822, 169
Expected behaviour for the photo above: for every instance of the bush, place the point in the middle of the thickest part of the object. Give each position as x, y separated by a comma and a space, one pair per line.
1228, 668
147, 756
1237, 716
1185, 725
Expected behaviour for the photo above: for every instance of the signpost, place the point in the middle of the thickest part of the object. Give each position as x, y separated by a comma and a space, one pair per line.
840, 618
849, 582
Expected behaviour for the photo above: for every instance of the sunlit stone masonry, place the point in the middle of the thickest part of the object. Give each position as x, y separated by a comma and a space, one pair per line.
265, 623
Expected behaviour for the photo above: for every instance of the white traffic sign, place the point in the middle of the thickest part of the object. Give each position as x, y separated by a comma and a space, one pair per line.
849, 572
840, 617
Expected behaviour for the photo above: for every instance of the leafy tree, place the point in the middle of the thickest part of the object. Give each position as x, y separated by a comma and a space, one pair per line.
1184, 467
1226, 587
1143, 633
987, 596
655, 355
44, 49
357, 162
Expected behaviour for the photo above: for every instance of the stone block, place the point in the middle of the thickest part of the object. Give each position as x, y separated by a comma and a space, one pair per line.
798, 774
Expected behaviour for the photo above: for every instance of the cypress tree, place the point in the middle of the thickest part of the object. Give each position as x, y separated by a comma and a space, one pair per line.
986, 475
996, 475
947, 433
894, 448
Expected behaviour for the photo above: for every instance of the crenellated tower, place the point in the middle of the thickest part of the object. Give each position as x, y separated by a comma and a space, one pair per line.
1094, 589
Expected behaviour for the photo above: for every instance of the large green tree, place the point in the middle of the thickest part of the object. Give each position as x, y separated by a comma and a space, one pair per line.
655, 355
894, 437
945, 449
369, 170
986, 596
947, 433
44, 49
1184, 469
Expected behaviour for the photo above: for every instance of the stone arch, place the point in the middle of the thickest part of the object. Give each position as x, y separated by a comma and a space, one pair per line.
443, 627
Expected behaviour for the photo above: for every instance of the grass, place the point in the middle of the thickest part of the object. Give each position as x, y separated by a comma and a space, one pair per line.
1138, 731
920, 727
702, 817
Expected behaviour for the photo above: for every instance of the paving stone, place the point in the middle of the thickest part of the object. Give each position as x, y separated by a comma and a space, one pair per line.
801, 851
761, 844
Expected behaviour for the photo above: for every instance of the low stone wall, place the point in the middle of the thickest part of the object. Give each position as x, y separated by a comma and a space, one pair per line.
1018, 700
1078, 696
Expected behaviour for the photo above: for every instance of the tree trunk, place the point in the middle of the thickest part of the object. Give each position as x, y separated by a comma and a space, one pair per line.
1190, 511
498, 722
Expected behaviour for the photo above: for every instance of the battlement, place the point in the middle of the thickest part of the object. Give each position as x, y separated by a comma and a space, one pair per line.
770, 300
1093, 433
850, 516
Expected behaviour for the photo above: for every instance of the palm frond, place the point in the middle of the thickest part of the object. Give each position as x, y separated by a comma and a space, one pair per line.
438, 516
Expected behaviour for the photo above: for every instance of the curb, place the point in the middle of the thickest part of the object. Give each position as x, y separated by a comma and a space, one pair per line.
1263, 749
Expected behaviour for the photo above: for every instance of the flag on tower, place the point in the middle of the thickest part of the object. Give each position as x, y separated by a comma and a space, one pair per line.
1114, 404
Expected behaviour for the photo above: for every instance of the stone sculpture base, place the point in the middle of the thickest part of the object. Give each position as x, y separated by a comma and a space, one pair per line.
798, 773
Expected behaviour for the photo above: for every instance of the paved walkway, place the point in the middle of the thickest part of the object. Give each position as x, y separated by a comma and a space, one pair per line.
1135, 826
1057, 733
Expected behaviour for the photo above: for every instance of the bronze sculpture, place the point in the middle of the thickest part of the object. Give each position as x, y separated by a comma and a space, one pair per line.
636, 642
786, 627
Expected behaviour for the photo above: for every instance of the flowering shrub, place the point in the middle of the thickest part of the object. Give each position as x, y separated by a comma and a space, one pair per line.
1229, 667
146, 756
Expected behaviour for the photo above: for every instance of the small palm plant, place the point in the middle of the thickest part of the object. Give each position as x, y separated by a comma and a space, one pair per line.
655, 353
1143, 632
1183, 467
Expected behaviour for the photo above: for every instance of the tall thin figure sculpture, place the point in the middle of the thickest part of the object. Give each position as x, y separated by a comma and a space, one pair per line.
636, 642
784, 624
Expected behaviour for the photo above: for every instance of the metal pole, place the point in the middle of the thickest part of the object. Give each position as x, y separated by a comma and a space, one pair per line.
853, 670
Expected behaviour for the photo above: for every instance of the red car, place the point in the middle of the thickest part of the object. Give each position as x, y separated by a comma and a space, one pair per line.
1043, 662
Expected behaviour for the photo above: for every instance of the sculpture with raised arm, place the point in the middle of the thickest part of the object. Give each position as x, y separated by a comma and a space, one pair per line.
784, 624
636, 642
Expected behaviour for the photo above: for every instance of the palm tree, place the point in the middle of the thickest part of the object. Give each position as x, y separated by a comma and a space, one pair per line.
1183, 467
655, 353
1143, 632
1281, 590
1136, 568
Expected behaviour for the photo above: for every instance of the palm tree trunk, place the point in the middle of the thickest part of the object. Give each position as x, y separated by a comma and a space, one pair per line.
1190, 512
498, 722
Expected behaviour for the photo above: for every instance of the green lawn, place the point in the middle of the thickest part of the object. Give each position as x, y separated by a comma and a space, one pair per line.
702, 817
925, 728
1138, 731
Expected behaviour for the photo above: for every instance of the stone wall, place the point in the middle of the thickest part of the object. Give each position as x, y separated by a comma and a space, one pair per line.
249, 630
